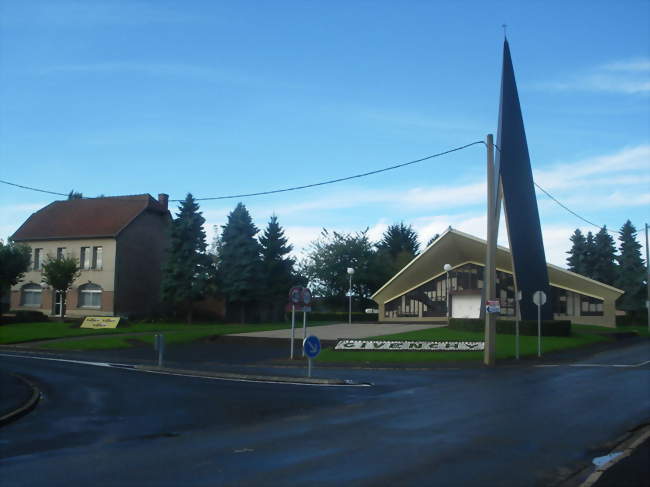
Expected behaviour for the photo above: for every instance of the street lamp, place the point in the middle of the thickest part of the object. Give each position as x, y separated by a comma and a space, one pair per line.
350, 272
447, 268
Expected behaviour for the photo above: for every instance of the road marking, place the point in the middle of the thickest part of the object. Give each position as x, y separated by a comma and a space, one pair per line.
640, 364
163, 372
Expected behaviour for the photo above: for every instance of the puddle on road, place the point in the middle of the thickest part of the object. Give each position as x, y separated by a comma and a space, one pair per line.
600, 461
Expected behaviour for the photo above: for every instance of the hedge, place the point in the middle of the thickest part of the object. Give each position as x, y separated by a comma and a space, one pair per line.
635, 319
25, 316
340, 316
560, 328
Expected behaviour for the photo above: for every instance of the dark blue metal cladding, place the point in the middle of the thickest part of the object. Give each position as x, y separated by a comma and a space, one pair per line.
520, 203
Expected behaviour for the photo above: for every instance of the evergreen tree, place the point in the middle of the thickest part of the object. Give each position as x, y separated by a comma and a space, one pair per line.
398, 239
604, 266
240, 260
588, 261
397, 247
631, 271
577, 254
433, 239
277, 267
188, 273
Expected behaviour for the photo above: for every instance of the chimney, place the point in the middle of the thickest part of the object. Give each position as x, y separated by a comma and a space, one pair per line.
163, 199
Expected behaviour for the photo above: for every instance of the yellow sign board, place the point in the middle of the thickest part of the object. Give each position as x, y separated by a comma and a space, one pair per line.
100, 322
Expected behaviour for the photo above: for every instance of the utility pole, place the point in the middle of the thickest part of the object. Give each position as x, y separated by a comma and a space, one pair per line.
489, 278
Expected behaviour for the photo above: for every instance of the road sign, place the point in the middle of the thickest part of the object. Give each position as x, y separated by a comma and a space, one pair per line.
306, 296
311, 345
539, 298
295, 294
493, 306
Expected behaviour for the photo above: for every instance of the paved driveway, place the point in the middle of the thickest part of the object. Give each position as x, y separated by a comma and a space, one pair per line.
342, 330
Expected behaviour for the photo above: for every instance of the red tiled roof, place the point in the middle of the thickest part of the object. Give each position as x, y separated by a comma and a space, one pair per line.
88, 217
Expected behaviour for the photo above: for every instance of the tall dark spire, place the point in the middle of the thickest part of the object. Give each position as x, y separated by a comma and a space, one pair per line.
520, 204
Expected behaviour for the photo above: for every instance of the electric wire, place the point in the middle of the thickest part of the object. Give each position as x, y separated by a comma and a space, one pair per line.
32, 189
566, 207
338, 180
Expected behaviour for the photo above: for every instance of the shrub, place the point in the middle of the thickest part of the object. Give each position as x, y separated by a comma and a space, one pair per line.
25, 316
637, 318
560, 328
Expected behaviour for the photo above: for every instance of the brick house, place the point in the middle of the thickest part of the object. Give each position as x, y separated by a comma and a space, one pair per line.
120, 243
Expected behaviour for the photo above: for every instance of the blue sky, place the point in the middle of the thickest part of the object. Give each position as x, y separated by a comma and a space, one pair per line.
217, 98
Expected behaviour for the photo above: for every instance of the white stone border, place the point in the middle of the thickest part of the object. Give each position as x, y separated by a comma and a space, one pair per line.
409, 346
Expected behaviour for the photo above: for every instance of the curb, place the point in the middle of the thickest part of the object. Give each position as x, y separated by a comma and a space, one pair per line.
25, 408
624, 452
248, 377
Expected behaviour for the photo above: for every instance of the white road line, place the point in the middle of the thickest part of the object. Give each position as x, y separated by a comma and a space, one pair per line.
640, 364
162, 372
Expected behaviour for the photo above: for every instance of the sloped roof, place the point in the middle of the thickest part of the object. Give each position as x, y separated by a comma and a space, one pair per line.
457, 248
86, 218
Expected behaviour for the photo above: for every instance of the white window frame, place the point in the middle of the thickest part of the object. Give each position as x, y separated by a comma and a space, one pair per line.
98, 258
32, 289
89, 292
85, 258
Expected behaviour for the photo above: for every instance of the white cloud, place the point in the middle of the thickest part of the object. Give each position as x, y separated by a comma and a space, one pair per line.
627, 77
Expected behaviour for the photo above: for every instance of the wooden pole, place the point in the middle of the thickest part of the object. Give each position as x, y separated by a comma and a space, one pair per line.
489, 277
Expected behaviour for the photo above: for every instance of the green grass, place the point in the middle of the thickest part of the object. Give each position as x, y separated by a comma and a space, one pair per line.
98, 339
582, 335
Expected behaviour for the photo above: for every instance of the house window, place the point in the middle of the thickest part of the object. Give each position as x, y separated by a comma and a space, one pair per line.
97, 257
60, 253
591, 306
37, 263
90, 296
31, 295
84, 260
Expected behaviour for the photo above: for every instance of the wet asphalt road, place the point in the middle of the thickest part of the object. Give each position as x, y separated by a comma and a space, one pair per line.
509, 426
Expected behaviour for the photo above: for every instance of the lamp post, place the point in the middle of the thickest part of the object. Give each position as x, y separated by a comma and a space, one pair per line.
447, 268
350, 272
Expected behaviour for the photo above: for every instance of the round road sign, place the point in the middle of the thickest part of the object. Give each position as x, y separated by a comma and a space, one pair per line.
311, 345
306, 296
296, 295
539, 298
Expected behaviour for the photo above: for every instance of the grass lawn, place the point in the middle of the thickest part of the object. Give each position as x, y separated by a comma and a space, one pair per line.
98, 339
505, 345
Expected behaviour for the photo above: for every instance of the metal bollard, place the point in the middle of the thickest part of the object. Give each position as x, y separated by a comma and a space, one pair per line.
159, 345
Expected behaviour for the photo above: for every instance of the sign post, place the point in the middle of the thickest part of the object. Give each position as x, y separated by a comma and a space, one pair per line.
293, 326
311, 348
539, 298
301, 297
306, 300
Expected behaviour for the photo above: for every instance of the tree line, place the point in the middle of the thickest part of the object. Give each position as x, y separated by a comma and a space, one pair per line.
254, 271
597, 257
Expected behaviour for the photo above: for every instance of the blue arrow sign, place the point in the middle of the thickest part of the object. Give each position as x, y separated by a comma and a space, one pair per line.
311, 344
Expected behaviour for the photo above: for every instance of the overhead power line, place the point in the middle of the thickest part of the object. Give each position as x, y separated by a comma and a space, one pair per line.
564, 206
346, 178
338, 180
32, 189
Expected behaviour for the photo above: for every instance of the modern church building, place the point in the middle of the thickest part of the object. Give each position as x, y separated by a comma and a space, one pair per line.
423, 291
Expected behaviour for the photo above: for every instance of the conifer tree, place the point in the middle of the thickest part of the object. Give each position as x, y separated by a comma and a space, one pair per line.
240, 260
576, 259
604, 266
188, 272
631, 271
277, 267
588, 260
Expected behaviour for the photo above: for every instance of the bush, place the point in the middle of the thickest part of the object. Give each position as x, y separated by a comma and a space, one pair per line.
25, 316
561, 328
340, 316
635, 318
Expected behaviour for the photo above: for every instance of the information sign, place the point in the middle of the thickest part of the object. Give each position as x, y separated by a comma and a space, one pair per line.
493, 306
98, 322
